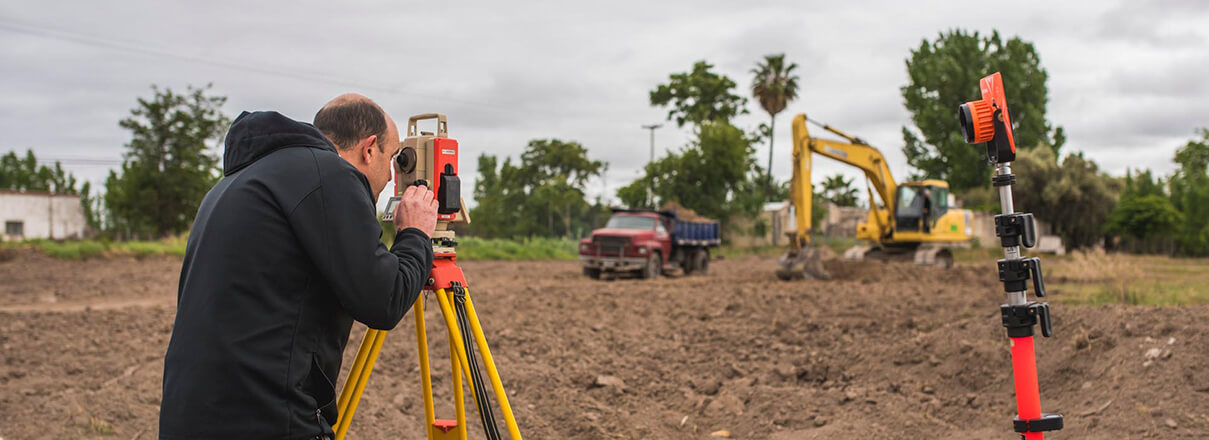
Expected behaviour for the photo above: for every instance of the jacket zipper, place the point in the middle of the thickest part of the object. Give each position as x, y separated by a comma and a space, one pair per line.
322, 426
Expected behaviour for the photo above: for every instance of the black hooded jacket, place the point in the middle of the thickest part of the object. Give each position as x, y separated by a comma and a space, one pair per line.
283, 256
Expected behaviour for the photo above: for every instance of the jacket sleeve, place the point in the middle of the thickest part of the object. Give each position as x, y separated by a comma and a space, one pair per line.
337, 226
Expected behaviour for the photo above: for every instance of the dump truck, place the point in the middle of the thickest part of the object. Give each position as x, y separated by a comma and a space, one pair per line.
646, 242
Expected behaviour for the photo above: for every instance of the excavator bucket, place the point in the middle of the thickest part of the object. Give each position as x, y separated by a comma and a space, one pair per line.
803, 263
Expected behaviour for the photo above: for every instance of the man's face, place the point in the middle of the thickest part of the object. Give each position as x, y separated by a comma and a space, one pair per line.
381, 163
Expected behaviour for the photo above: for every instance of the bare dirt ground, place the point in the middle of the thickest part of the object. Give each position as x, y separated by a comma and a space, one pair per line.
885, 351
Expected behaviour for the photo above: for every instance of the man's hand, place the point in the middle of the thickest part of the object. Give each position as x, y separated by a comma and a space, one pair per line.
417, 209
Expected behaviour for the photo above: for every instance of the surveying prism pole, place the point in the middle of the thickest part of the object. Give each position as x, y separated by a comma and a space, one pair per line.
988, 121
431, 160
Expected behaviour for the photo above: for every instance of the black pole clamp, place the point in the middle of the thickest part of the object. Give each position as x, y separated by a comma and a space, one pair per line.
1016, 229
1047, 422
1020, 319
1015, 273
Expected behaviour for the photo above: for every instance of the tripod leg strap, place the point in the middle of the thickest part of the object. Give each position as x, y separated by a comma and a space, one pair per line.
486, 414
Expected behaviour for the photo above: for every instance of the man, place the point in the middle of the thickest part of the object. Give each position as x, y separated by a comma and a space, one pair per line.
283, 256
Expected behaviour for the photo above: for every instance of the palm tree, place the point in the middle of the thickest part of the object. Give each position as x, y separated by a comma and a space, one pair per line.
774, 86
839, 190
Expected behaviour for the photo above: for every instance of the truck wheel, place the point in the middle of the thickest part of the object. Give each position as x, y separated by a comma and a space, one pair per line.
592, 272
687, 262
653, 266
701, 261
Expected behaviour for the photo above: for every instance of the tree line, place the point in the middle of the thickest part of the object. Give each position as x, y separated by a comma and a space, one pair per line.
171, 160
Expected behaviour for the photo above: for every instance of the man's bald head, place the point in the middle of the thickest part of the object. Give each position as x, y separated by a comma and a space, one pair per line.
364, 135
349, 118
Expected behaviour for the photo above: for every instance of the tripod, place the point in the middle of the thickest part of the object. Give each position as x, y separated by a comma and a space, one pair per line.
449, 285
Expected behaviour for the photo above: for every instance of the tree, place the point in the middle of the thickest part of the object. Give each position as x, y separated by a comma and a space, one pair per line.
1075, 197
944, 73
699, 96
1190, 195
838, 190
24, 174
166, 169
1146, 223
774, 86
543, 195
707, 176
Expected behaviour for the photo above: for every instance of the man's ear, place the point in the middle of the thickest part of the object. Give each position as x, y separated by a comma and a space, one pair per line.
367, 147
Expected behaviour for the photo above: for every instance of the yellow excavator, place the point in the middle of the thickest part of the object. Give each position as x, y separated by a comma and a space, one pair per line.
913, 221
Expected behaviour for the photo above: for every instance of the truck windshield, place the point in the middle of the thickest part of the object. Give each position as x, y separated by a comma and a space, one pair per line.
630, 222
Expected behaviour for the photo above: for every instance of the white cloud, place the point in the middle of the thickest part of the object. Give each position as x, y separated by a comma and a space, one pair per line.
1125, 77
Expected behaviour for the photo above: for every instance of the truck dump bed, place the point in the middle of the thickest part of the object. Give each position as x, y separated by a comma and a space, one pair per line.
697, 233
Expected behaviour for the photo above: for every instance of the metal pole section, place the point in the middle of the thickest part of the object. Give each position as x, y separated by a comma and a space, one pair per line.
1011, 252
650, 192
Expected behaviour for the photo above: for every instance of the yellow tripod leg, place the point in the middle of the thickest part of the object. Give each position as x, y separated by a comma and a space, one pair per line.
359, 387
425, 374
459, 399
354, 373
492, 373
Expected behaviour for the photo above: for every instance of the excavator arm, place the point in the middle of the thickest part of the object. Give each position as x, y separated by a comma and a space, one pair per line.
855, 152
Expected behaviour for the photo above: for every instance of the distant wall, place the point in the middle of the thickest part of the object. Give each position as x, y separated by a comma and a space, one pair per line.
41, 215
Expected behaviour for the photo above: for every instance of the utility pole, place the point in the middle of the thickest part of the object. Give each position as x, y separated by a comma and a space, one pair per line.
650, 192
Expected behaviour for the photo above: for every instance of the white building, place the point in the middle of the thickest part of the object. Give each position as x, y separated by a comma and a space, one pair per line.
38, 214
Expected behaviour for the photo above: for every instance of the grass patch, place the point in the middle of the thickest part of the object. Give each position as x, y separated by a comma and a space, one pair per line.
81, 249
99, 426
977, 255
1096, 279
536, 248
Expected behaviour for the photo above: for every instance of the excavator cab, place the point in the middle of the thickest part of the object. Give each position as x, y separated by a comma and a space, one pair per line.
918, 205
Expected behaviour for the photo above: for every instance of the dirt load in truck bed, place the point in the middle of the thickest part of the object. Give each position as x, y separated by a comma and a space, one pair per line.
883, 351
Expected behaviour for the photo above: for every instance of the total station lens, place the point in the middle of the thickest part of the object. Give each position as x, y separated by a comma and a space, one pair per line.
967, 122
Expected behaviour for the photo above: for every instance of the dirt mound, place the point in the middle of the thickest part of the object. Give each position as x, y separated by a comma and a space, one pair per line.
883, 351
684, 213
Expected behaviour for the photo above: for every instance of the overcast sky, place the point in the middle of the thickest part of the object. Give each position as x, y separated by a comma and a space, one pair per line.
1126, 78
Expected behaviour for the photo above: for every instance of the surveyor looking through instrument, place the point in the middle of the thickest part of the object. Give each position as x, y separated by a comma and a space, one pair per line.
283, 256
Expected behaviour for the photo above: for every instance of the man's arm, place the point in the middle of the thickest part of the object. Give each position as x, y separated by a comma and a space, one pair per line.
337, 226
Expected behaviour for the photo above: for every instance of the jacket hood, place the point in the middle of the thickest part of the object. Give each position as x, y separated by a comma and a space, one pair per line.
254, 135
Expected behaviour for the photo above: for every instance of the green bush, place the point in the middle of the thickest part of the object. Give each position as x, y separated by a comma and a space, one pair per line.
536, 248
77, 249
